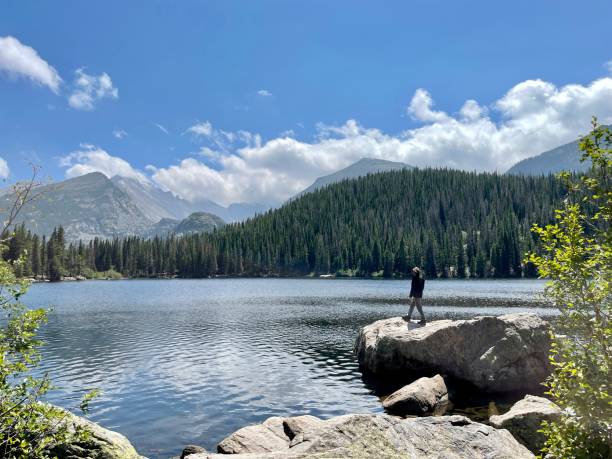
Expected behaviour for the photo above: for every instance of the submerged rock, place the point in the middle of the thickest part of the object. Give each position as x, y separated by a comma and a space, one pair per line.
496, 354
423, 396
374, 436
524, 420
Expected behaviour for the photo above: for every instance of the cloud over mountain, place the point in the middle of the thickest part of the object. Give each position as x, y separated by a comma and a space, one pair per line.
90, 158
531, 117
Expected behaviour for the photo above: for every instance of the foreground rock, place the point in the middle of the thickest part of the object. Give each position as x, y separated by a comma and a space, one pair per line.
496, 354
260, 438
424, 396
191, 449
101, 444
370, 436
525, 418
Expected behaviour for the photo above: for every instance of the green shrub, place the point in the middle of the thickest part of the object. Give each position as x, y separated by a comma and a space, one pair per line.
27, 427
110, 274
576, 255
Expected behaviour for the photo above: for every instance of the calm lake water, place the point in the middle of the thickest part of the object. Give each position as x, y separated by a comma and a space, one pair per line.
190, 361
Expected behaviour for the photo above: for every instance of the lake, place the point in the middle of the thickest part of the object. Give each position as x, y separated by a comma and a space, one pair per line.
190, 361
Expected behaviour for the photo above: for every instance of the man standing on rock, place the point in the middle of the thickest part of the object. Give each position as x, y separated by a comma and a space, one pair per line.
416, 293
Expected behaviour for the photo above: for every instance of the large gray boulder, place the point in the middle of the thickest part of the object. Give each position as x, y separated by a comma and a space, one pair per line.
423, 396
525, 418
100, 444
378, 436
261, 438
496, 354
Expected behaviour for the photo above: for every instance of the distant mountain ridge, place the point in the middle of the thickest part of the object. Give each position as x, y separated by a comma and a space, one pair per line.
92, 205
361, 168
88, 206
563, 158
157, 204
152, 201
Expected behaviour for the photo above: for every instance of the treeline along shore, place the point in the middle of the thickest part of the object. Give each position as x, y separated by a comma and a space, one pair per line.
452, 223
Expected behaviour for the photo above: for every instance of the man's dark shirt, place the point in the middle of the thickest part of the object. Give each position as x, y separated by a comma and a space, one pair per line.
417, 287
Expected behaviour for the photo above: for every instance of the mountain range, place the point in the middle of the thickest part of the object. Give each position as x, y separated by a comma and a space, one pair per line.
93, 205
88, 206
157, 204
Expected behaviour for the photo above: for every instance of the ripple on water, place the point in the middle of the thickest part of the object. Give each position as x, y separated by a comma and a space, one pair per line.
184, 361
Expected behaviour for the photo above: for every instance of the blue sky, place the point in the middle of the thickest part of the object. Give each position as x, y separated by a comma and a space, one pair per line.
277, 93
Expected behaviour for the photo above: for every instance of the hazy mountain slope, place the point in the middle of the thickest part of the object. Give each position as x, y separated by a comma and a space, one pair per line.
241, 211
236, 212
162, 228
92, 206
87, 206
361, 168
211, 207
152, 201
563, 158
157, 204
199, 222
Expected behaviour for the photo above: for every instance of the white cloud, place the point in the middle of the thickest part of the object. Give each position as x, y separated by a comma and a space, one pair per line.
264, 93
91, 158
209, 153
238, 166
287, 133
19, 60
119, 134
88, 89
204, 129
530, 118
608, 66
420, 108
4, 169
161, 128
223, 141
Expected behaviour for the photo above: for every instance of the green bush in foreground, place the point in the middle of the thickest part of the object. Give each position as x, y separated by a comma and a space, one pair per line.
28, 427
577, 256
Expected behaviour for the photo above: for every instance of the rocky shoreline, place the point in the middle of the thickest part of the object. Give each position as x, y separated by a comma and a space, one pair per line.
494, 355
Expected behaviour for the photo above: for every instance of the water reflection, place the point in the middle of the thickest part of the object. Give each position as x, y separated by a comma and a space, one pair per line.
191, 361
